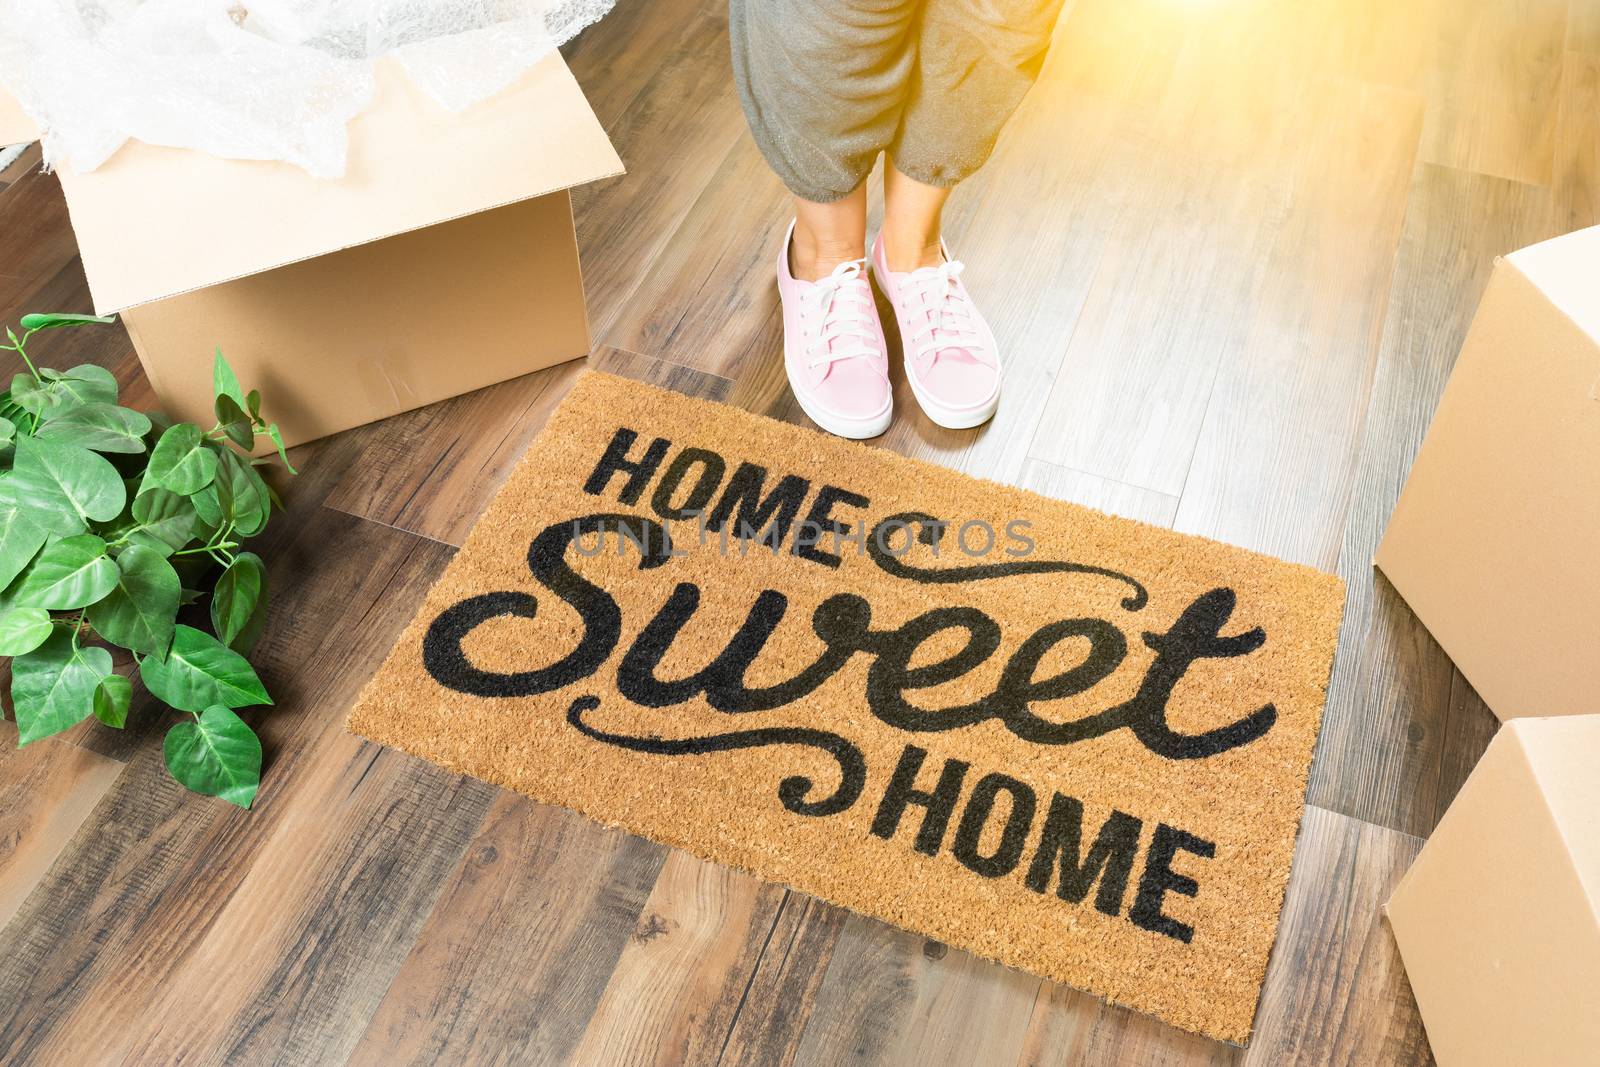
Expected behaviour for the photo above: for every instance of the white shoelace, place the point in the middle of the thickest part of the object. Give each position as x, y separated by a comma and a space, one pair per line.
839, 323
944, 318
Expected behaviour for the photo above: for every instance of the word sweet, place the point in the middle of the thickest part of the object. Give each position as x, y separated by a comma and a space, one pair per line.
843, 622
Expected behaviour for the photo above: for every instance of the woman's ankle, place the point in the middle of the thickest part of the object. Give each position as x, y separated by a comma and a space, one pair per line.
908, 248
812, 258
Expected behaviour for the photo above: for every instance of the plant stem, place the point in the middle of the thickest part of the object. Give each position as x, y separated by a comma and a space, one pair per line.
124, 538
220, 545
20, 348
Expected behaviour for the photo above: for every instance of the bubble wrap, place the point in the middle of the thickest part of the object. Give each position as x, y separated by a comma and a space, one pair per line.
256, 79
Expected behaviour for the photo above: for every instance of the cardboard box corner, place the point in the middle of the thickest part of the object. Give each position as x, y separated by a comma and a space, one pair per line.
1493, 539
1496, 923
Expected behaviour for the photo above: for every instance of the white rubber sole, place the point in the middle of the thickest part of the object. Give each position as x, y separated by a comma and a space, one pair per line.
953, 418
842, 425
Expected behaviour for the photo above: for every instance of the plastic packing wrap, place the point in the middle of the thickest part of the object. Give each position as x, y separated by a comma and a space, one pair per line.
256, 79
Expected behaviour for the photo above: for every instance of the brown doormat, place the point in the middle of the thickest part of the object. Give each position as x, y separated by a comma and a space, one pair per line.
1069, 742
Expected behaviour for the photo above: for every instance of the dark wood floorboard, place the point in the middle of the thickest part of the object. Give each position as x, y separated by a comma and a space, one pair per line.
1230, 250
781, 995
516, 956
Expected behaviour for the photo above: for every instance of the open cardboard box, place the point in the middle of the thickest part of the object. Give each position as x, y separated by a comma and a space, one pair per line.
1495, 543
444, 260
1498, 920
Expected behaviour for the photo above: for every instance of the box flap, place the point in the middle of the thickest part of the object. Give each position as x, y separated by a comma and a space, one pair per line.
1565, 756
15, 126
1567, 270
154, 222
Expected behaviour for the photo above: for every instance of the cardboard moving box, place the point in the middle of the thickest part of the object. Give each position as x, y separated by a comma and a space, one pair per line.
1495, 543
1498, 920
444, 260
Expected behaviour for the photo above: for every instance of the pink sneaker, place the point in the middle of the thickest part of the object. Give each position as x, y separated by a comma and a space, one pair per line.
951, 358
833, 349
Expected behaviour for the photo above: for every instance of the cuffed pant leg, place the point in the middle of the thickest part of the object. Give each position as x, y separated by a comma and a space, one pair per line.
823, 83
975, 61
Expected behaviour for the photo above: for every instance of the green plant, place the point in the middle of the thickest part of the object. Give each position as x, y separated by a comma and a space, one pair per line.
111, 522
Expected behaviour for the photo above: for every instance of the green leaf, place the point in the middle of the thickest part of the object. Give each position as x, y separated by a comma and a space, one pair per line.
141, 539
53, 686
101, 427
165, 516
235, 423
200, 671
111, 700
22, 630
218, 755
28, 393
61, 390
181, 462
239, 602
252, 402
8, 429
207, 506
64, 487
72, 573
221, 489
277, 439
55, 319
9, 406
242, 495
90, 384
20, 540
224, 383
141, 609
8, 596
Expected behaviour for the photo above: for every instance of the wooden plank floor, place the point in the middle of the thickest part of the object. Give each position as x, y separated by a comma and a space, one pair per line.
1230, 248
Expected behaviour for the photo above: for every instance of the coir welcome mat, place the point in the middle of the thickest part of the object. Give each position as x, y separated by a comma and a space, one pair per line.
1069, 742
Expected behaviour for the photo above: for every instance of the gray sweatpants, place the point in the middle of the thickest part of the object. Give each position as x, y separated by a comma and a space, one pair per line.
828, 84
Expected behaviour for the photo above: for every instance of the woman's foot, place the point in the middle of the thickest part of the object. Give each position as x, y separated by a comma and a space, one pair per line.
951, 358
833, 348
